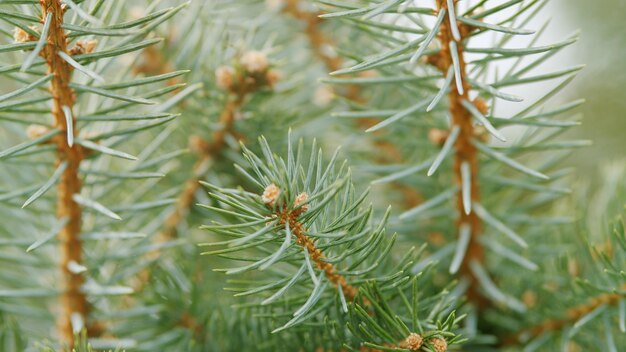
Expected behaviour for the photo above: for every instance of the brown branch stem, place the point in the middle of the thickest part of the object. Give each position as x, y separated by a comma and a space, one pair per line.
465, 151
73, 302
316, 37
207, 151
572, 315
188, 322
316, 255
319, 41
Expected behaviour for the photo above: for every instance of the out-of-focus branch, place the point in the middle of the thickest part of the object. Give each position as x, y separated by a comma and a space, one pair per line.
321, 46
572, 315
250, 73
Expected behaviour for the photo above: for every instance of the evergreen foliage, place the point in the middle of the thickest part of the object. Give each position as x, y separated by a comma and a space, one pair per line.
166, 185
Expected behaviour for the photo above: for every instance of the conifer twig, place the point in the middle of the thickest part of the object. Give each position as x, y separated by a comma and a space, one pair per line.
465, 151
74, 305
206, 151
187, 321
319, 41
253, 75
316, 37
572, 315
286, 216
238, 90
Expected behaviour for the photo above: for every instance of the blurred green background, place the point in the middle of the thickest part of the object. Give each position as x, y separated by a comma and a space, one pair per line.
602, 47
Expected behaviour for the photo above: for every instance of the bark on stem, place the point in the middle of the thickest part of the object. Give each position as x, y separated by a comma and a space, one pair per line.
572, 315
316, 255
73, 302
465, 151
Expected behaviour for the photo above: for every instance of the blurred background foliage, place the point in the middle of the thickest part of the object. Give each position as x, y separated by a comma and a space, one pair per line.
601, 47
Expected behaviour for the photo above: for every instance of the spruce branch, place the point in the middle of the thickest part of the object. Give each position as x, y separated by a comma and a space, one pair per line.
445, 43
379, 327
451, 58
251, 73
288, 216
319, 40
77, 155
314, 268
311, 212
320, 43
602, 271
74, 305
572, 315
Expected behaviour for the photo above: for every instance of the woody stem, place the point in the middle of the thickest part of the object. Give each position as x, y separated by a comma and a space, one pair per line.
572, 315
316, 255
465, 152
73, 302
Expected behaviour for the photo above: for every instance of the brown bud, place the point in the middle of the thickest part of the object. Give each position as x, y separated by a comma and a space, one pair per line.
272, 77
35, 131
481, 105
224, 77
529, 298
437, 136
84, 47
197, 145
270, 194
481, 133
21, 36
254, 61
440, 345
413, 342
323, 96
301, 199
